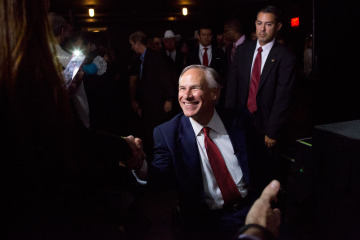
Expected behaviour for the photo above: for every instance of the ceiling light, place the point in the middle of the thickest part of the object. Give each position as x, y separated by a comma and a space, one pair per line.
91, 12
185, 11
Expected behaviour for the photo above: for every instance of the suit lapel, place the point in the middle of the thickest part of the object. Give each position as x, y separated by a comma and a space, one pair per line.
248, 62
197, 56
269, 64
188, 149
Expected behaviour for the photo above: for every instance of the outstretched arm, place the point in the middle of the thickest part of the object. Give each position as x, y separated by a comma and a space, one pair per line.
262, 221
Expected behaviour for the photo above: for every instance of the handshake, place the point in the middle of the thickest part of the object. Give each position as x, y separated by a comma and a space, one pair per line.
136, 160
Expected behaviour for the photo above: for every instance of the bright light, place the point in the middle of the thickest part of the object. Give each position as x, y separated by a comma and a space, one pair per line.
77, 53
91, 12
185, 11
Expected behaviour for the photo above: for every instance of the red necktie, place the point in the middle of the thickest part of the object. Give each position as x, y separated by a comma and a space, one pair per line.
228, 188
233, 51
254, 83
205, 58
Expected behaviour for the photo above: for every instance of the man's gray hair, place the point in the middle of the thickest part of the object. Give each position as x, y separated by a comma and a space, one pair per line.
211, 76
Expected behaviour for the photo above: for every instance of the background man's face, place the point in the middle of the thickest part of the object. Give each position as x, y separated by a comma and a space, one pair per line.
205, 37
266, 27
157, 44
169, 44
135, 46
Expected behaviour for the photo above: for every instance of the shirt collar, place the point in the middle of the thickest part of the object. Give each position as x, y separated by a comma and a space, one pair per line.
215, 124
240, 40
267, 47
201, 47
143, 54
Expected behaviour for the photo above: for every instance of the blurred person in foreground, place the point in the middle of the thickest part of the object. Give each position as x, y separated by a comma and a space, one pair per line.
52, 178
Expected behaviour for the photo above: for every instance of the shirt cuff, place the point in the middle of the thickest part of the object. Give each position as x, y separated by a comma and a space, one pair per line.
141, 172
248, 237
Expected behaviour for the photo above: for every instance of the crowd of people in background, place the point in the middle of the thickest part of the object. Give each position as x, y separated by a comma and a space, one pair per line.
73, 152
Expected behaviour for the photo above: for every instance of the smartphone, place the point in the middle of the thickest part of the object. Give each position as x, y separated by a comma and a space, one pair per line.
73, 67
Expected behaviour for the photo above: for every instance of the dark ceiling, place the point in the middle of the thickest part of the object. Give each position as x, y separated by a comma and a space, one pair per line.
119, 12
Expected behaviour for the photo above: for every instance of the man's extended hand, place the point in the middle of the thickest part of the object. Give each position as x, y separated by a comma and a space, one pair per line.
138, 156
261, 212
269, 142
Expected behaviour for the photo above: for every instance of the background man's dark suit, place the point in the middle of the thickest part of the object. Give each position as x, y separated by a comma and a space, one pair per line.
155, 86
178, 65
177, 159
273, 96
176, 68
218, 61
227, 73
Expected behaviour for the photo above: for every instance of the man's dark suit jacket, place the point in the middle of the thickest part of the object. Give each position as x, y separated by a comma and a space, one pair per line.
218, 61
275, 87
177, 156
178, 65
228, 50
155, 86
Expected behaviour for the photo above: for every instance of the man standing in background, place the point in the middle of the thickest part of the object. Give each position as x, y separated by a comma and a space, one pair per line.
154, 89
260, 87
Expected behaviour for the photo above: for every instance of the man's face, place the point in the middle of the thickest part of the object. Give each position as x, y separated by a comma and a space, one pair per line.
229, 33
205, 36
135, 46
196, 99
266, 27
157, 44
169, 44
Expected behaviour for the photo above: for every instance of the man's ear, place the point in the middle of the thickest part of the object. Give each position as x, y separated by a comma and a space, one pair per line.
278, 27
216, 93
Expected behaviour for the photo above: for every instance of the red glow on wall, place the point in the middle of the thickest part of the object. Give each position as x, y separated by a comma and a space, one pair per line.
295, 22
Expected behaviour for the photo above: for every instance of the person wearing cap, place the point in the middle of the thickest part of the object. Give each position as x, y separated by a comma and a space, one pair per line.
172, 52
175, 59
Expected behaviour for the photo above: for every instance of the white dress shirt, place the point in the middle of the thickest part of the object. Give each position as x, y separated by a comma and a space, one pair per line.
202, 52
264, 54
219, 135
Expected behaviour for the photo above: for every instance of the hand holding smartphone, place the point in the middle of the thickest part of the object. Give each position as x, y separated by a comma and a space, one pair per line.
73, 67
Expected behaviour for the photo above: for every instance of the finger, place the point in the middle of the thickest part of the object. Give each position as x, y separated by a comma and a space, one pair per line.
131, 137
139, 143
270, 192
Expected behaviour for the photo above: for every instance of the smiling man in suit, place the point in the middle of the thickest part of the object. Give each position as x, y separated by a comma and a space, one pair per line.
262, 80
191, 148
